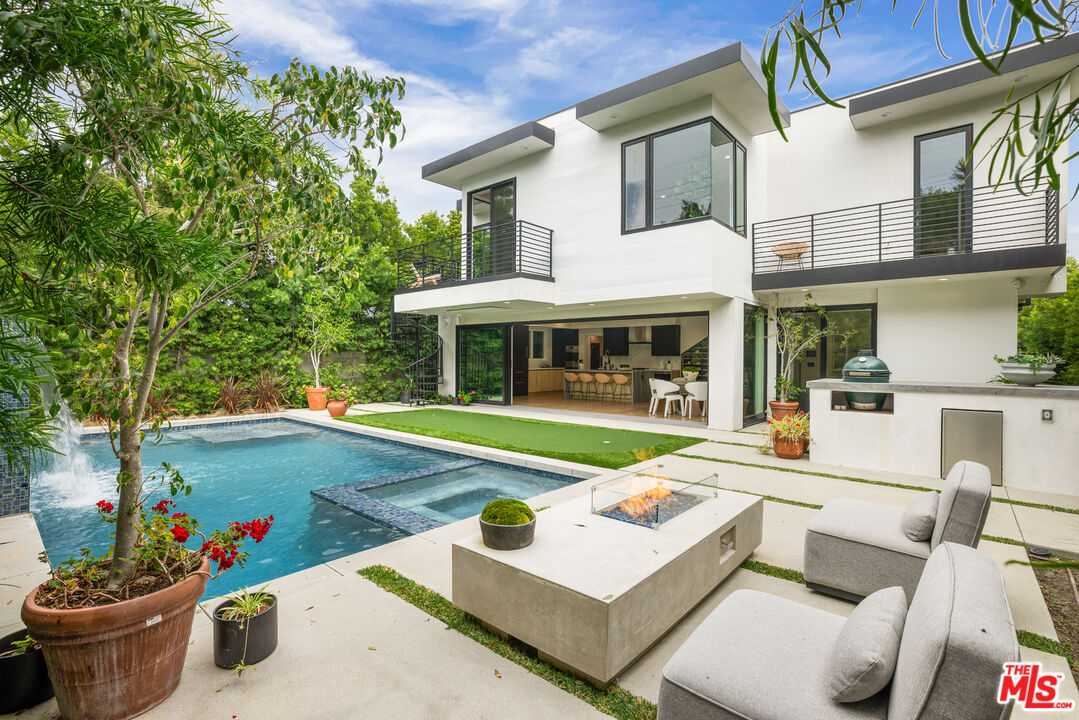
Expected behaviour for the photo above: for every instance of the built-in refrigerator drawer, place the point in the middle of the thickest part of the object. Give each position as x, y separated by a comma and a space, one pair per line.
976, 435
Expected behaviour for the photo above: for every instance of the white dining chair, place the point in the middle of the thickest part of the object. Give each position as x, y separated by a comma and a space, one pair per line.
668, 392
653, 400
696, 391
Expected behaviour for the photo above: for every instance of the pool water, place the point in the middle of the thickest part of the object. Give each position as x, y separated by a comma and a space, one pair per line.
462, 493
238, 472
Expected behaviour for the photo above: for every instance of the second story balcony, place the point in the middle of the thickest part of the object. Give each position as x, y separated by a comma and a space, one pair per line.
512, 251
948, 233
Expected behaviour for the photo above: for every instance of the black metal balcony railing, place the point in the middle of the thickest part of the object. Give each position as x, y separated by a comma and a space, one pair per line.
488, 252
948, 223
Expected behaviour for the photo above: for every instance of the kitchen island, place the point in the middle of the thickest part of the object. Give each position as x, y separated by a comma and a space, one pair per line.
545, 380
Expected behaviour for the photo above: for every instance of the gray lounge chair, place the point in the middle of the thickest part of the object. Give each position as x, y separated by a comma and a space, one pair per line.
854, 548
761, 657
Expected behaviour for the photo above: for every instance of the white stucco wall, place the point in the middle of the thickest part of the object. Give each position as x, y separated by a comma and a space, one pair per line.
946, 331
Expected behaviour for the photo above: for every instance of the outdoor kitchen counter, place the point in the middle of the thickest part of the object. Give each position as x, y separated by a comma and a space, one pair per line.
1036, 441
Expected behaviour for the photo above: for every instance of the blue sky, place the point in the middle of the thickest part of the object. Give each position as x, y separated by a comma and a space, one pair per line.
476, 67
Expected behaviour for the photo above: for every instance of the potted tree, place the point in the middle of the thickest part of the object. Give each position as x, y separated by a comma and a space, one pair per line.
789, 435
507, 524
245, 629
795, 331
1024, 368
23, 673
117, 652
339, 400
327, 328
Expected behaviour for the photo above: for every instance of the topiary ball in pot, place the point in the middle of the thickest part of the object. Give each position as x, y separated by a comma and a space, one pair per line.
507, 524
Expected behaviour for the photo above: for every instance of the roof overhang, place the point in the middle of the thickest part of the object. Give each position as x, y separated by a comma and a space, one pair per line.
513, 144
729, 74
1029, 65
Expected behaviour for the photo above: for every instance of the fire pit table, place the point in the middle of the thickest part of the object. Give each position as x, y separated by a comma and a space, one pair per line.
611, 572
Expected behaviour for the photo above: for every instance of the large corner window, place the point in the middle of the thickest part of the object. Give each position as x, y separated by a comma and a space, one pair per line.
693, 172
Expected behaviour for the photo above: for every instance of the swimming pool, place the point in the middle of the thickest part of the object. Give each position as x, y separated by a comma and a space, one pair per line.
242, 470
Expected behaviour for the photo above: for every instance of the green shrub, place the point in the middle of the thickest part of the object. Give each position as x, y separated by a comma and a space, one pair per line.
507, 512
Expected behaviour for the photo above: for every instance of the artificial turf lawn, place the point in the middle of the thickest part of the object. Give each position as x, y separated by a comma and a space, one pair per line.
602, 447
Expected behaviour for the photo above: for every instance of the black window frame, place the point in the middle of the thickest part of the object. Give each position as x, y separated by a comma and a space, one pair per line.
648, 187
967, 220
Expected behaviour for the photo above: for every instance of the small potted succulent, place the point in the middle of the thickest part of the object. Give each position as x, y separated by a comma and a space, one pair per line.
339, 400
23, 673
245, 629
1025, 368
507, 524
690, 373
789, 435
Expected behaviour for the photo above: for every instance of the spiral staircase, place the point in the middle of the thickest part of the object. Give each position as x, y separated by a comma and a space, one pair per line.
420, 348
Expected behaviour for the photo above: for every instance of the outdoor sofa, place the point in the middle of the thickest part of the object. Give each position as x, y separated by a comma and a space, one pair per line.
854, 548
762, 657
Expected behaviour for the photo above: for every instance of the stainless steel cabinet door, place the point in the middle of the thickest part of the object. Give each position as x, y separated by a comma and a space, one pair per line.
976, 435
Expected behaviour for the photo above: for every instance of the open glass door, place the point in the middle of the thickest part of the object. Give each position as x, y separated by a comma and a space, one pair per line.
492, 218
753, 359
481, 362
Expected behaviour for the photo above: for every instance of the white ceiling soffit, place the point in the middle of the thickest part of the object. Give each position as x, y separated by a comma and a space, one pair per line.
488, 154
1027, 67
729, 74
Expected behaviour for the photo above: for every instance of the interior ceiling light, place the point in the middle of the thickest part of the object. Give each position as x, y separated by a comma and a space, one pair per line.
942, 279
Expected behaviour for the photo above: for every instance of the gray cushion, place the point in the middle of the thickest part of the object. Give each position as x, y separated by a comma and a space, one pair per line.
859, 547
959, 633
762, 657
964, 505
921, 516
864, 655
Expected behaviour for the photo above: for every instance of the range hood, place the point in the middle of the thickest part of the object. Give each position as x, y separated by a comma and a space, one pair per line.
640, 334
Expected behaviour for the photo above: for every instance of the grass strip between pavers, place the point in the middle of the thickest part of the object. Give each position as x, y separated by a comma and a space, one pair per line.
535, 437
1034, 641
866, 481
614, 701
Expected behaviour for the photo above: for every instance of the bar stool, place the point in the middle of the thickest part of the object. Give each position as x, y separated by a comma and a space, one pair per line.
622, 384
588, 384
603, 382
571, 380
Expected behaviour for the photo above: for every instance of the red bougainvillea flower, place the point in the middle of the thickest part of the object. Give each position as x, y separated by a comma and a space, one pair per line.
179, 516
163, 507
179, 534
258, 528
104, 506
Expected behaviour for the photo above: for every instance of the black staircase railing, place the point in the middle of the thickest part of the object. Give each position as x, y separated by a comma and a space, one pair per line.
419, 346
486, 252
946, 223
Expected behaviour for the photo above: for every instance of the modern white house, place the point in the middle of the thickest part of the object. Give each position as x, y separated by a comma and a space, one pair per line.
641, 230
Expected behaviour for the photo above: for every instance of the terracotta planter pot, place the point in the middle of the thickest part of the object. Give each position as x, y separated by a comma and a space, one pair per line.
788, 449
316, 398
781, 410
117, 661
337, 408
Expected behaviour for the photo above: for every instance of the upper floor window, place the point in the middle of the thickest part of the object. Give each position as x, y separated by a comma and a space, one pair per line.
692, 172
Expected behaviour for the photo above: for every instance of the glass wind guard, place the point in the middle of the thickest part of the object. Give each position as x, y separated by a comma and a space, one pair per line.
651, 496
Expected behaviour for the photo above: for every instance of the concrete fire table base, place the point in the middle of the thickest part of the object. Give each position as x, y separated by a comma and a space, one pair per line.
593, 593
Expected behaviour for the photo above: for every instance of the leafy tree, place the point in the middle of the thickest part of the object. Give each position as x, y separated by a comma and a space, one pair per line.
1051, 325
432, 226
327, 327
1035, 125
161, 191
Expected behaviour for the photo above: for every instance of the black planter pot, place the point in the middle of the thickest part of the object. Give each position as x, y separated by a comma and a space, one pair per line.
508, 537
406, 396
24, 679
248, 640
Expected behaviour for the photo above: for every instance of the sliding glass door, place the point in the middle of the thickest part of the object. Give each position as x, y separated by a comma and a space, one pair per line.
492, 217
481, 362
942, 203
827, 358
754, 334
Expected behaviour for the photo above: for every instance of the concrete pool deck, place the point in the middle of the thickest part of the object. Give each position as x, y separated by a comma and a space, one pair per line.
349, 648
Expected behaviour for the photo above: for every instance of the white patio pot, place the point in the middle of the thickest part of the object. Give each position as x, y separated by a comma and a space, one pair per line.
1022, 374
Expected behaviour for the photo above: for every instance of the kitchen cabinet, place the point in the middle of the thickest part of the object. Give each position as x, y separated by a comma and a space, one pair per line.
666, 340
545, 380
616, 340
560, 338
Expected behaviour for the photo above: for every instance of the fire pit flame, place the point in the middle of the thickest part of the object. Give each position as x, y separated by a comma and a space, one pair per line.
644, 502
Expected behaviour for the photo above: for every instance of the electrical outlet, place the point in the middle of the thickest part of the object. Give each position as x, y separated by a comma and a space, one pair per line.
1047, 416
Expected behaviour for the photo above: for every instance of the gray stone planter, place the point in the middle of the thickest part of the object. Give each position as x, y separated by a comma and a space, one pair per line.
1022, 374
508, 537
